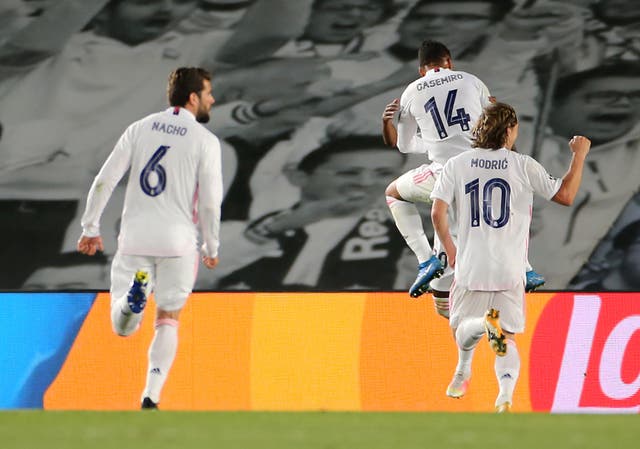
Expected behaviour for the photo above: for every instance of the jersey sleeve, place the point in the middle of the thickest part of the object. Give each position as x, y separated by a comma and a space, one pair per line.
110, 174
542, 183
210, 193
484, 93
408, 139
444, 188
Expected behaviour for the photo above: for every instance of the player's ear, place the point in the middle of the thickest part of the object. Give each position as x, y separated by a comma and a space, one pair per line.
295, 176
193, 98
449, 63
422, 70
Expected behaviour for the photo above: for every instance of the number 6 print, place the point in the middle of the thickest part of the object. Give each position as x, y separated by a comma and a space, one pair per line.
153, 166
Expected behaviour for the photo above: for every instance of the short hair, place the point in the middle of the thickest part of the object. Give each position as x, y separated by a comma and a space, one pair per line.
339, 146
490, 131
183, 82
569, 83
432, 52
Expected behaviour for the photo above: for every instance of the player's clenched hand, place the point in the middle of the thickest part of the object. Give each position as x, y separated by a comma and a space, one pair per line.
391, 110
580, 145
210, 262
89, 245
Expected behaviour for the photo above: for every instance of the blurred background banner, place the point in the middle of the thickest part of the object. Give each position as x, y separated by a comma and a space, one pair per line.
294, 77
310, 351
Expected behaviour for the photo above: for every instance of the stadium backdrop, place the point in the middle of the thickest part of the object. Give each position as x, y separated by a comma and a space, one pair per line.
316, 351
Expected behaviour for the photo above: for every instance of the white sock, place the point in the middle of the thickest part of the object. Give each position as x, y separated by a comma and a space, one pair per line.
507, 371
162, 352
123, 320
469, 332
409, 223
465, 357
441, 305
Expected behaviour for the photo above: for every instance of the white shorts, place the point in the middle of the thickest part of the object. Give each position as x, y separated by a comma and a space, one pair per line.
416, 185
465, 304
170, 278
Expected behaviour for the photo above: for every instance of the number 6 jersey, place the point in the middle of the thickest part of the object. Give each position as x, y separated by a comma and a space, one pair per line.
492, 194
444, 105
175, 172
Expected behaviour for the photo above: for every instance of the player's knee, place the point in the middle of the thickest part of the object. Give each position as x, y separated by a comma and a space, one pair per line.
392, 191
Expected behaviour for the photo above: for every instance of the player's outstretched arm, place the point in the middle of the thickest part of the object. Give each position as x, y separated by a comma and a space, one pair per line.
567, 192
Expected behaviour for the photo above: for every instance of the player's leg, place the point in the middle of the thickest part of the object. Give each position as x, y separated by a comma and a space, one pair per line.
467, 322
175, 277
507, 370
131, 282
507, 367
402, 195
441, 286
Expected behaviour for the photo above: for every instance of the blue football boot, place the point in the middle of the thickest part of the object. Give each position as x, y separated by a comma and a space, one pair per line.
137, 296
428, 270
534, 280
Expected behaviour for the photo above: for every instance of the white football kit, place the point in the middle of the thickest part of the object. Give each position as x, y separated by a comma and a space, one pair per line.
175, 180
443, 105
437, 113
492, 194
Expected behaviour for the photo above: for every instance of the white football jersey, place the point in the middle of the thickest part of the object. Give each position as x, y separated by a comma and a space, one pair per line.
443, 105
492, 195
175, 165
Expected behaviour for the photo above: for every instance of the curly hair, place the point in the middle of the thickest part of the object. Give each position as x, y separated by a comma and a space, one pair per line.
490, 131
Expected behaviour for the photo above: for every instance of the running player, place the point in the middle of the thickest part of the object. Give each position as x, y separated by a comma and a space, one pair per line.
490, 189
174, 160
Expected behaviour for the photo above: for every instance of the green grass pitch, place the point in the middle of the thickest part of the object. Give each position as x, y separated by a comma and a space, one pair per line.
310, 430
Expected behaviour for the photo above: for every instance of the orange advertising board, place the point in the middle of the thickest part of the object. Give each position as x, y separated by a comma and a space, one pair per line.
332, 351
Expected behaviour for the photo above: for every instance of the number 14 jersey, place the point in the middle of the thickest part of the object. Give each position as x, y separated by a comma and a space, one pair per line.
443, 106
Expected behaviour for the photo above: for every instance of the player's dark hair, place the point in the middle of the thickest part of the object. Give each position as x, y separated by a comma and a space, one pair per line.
432, 52
183, 82
490, 131
338, 146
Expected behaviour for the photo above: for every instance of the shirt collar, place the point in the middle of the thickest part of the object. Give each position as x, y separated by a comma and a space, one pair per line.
178, 110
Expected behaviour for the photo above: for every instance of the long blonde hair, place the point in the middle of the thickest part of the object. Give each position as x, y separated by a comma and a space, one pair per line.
491, 129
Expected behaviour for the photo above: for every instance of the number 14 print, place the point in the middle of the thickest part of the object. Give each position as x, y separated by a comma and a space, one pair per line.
460, 118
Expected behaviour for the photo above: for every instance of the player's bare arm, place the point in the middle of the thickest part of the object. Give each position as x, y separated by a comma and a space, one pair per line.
441, 226
389, 131
579, 146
